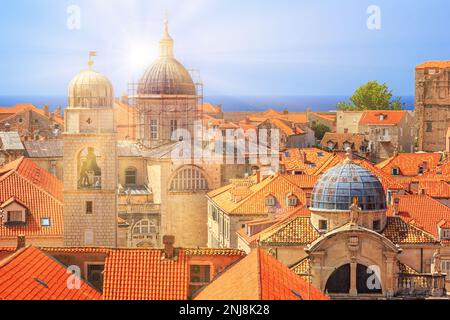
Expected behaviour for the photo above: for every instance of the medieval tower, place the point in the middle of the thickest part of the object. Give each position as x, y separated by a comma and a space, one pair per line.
90, 162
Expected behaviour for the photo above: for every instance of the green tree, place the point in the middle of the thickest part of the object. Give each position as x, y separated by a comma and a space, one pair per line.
372, 96
320, 130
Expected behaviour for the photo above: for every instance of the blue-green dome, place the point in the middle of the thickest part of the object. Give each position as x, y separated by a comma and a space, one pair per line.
337, 188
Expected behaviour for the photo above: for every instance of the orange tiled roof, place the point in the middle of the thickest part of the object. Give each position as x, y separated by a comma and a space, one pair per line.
339, 139
40, 191
145, 275
423, 211
207, 107
401, 232
408, 163
372, 117
30, 274
308, 160
297, 230
302, 268
254, 204
7, 112
435, 188
442, 64
259, 276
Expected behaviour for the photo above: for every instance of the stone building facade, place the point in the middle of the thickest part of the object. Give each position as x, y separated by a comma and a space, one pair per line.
432, 104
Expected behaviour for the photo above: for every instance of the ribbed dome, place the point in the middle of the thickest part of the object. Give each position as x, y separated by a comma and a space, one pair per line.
167, 75
90, 89
336, 189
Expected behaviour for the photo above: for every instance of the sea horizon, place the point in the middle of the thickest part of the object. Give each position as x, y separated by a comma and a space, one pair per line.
239, 103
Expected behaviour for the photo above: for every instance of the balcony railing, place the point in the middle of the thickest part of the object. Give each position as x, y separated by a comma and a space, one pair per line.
421, 285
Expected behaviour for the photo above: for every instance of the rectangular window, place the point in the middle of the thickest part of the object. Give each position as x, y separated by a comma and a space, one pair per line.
154, 129
89, 207
323, 225
15, 216
45, 222
200, 274
95, 275
429, 126
173, 127
376, 225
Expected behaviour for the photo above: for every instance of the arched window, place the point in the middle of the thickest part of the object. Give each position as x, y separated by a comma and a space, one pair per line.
189, 179
89, 171
130, 176
144, 226
291, 200
271, 201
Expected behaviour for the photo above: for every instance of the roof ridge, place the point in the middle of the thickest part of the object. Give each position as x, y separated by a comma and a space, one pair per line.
259, 273
10, 258
36, 184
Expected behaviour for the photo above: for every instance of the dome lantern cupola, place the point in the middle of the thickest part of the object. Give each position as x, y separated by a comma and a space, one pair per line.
167, 76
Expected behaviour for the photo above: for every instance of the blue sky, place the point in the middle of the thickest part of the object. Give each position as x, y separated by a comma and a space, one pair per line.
241, 47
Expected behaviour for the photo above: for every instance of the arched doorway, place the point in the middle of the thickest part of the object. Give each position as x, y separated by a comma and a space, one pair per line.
367, 280
339, 281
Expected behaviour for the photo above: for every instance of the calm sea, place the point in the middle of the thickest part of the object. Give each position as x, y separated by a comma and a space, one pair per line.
229, 103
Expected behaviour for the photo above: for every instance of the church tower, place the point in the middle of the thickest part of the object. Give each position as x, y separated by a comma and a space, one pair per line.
90, 162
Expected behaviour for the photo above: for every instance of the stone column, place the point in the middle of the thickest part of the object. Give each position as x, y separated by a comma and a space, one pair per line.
353, 266
389, 276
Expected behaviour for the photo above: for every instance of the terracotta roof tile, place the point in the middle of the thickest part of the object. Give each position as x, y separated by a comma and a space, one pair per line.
32, 275
40, 191
422, 210
400, 232
408, 163
340, 139
373, 117
434, 64
308, 160
434, 188
145, 275
302, 269
254, 204
259, 276
294, 231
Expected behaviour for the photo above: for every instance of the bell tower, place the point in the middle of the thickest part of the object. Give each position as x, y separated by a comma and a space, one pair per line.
90, 162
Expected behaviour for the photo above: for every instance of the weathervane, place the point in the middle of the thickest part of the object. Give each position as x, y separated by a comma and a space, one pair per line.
91, 61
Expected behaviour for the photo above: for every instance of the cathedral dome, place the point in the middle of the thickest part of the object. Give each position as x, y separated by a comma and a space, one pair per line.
167, 75
337, 188
90, 89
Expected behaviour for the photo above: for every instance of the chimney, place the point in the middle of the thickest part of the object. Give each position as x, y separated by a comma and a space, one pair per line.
258, 176
396, 205
7, 127
58, 112
21, 242
168, 242
46, 112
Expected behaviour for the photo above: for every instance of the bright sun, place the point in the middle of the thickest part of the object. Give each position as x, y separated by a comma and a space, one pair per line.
141, 56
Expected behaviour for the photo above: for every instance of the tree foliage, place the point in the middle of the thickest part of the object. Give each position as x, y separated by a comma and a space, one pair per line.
372, 96
320, 130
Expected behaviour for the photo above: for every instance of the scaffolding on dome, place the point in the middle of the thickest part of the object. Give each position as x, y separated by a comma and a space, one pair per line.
171, 111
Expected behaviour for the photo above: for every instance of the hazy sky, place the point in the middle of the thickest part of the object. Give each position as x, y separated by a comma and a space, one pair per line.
241, 47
